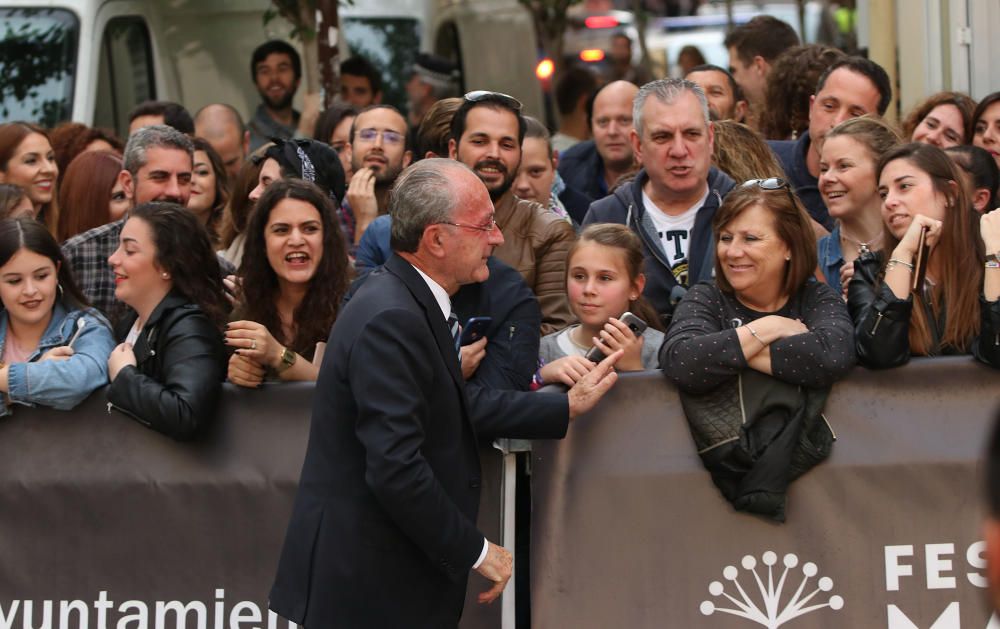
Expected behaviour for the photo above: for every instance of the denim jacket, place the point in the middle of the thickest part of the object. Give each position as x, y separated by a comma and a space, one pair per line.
61, 384
831, 258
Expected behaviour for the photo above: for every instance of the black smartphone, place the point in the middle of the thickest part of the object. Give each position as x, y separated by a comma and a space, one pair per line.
474, 329
634, 323
920, 264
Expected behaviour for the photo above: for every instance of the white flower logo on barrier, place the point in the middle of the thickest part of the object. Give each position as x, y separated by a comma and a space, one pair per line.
770, 612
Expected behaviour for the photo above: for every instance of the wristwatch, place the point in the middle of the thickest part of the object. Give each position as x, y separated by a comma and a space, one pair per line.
288, 358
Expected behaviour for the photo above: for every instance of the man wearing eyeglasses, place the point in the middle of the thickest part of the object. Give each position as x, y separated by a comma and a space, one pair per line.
486, 135
378, 153
383, 530
672, 201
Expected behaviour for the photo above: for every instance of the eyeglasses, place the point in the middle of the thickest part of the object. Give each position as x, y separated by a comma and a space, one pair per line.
388, 136
771, 183
505, 100
488, 227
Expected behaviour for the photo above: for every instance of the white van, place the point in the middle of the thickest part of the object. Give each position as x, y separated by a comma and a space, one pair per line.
93, 60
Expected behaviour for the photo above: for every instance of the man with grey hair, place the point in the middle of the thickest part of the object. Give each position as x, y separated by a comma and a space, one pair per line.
157, 166
389, 491
673, 198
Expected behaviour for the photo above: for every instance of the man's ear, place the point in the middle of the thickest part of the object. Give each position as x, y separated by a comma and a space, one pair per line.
980, 197
377, 99
407, 158
761, 65
128, 184
452, 149
636, 145
433, 241
246, 144
740, 110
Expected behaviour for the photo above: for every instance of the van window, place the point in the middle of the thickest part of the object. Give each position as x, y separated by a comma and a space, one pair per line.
391, 44
37, 64
125, 74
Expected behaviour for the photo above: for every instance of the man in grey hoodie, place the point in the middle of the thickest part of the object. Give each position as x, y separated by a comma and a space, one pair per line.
673, 198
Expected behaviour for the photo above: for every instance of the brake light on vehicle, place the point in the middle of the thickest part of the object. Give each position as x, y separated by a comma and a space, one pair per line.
601, 21
544, 69
592, 55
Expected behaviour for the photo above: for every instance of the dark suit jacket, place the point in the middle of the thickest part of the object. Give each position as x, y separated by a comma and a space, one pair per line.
383, 529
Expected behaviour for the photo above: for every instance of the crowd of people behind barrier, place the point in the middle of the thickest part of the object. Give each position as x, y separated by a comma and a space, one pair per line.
764, 217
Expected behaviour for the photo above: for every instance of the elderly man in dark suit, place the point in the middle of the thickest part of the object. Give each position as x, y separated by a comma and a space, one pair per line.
383, 530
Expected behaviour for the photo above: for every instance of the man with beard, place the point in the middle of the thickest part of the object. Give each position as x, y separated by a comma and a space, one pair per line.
157, 166
378, 152
725, 100
486, 135
276, 70
593, 167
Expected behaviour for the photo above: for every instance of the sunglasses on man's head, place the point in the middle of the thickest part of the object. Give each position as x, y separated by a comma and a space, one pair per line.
504, 99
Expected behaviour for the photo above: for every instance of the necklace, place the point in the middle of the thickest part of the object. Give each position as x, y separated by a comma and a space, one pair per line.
863, 247
574, 341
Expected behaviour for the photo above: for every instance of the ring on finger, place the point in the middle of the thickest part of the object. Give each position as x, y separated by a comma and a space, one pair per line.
253, 344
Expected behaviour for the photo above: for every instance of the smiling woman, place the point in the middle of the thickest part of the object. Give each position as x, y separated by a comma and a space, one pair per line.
54, 348
27, 160
295, 271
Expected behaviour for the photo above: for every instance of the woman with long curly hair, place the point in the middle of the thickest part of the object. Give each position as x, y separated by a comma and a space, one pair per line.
167, 372
294, 273
790, 85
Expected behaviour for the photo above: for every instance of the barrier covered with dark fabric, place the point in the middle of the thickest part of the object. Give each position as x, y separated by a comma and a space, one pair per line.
628, 530
102, 517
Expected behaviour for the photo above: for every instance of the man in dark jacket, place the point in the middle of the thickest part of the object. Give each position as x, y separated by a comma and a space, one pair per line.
593, 167
673, 199
849, 88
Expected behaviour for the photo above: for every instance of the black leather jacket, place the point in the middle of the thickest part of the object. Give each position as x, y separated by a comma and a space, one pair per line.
882, 321
180, 366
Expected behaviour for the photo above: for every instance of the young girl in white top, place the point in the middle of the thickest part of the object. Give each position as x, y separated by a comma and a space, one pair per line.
604, 280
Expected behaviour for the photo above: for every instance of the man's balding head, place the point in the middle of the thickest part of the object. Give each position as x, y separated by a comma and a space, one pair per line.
611, 124
223, 127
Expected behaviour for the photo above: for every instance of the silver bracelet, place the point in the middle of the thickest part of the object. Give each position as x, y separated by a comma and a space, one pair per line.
894, 261
754, 334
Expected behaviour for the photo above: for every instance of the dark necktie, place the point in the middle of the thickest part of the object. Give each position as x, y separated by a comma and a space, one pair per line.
456, 333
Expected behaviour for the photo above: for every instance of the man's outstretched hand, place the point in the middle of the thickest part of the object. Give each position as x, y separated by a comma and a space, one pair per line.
588, 391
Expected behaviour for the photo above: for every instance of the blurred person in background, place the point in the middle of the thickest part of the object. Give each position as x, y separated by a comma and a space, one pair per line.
69, 139
93, 194
334, 127
276, 69
981, 175
360, 82
943, 119
223, 127
593, 167
725, 100
986, 125
209, 188
160, 112
753, 48
538, 180
432, 79
574, 90
14, 202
